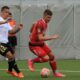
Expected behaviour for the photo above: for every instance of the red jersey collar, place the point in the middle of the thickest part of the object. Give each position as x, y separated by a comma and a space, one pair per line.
43, 20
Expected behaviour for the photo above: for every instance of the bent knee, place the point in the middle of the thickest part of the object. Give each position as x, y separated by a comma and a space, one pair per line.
51, 58
9, 55
46, 57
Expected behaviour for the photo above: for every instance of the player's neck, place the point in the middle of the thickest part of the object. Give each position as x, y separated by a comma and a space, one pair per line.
44, 20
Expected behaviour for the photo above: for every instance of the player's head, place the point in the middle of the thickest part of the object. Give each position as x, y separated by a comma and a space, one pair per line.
47, 15
5, 12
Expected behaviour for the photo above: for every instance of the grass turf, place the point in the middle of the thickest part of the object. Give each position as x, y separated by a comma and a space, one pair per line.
69, 67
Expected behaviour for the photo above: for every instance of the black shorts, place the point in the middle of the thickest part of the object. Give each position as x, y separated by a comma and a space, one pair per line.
4, 48
12, 40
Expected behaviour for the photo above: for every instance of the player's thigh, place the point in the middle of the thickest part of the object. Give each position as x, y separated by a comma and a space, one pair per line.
46, 49
6, 51
10, 53
38, 51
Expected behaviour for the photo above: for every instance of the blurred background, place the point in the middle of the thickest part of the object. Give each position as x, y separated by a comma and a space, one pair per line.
65, 22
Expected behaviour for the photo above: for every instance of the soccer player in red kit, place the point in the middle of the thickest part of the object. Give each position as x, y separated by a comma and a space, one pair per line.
39, 47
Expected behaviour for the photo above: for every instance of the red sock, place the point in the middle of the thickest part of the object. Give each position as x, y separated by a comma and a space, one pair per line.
53, 65
39, 60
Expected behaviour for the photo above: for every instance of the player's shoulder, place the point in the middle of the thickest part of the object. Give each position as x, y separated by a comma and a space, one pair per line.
39, 22
35, 23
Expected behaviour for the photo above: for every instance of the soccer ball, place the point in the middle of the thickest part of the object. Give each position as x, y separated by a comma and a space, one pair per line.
45, 72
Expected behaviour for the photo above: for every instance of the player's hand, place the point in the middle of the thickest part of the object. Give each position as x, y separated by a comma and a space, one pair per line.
55, 36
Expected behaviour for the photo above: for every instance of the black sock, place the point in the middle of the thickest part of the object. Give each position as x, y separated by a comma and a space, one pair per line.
10, 66
14, 65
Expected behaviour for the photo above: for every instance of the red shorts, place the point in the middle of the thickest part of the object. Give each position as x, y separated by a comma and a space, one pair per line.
40, 51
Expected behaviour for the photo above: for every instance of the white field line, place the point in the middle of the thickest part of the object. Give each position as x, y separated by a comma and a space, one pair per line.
67, 71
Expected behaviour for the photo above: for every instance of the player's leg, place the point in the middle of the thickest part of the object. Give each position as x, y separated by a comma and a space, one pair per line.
3, 51
53, 65
6, 51
13, 65
41, 57
10, 56
40, 53
10, 64
52, 62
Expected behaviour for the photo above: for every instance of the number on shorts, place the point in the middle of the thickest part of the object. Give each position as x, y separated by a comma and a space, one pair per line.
2, 48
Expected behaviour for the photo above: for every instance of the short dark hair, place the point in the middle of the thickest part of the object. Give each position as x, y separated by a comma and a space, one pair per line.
4, 7
48, 12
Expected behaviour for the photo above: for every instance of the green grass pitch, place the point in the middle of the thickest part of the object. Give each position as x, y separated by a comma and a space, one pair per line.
71, 68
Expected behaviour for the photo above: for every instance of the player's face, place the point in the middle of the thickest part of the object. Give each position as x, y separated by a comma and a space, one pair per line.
5, 13
47, 18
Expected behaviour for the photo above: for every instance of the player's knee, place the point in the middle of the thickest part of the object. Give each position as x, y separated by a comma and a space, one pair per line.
9, 55
51, 58
46, 57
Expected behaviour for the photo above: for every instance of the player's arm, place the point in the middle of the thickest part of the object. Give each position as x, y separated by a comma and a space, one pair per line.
41, 34
42, 37
3, 22
16, 29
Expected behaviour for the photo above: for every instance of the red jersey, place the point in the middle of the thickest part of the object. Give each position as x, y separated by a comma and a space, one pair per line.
37, 28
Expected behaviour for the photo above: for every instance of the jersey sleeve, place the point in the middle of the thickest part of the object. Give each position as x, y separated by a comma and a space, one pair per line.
40, 28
